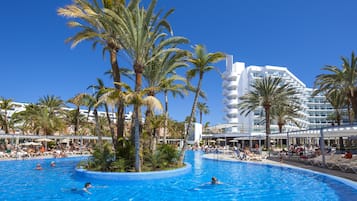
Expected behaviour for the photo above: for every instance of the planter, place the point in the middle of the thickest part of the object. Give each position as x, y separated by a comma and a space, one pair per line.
131, 176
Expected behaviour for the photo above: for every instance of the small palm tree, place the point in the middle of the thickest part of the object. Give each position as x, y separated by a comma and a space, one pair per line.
78, 101
5, 105
284, 113
203, 109
267, 93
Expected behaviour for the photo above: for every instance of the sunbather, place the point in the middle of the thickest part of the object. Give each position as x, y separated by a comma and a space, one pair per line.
348, 155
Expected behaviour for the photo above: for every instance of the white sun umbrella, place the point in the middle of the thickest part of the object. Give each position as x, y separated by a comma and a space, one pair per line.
43, 140
31, 144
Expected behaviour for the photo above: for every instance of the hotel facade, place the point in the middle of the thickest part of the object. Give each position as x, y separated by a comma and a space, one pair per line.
237, 79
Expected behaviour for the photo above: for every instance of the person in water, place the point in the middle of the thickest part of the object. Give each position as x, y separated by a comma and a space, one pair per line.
38, 167
87, 186
84, 190
214, 180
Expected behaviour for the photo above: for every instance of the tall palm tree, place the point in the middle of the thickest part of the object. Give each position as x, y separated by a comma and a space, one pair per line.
161, 73
202, 63
99, 89
5, 105
203, 109
142, 36
170, 85
267, 93
343, 80
91, 19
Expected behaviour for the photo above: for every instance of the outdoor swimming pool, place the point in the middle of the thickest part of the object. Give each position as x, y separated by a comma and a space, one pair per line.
241, 181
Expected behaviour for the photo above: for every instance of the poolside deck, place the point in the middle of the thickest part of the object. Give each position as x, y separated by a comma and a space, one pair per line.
276, 161
338, 173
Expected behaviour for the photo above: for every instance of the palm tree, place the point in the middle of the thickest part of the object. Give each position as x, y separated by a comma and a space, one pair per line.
155, 123
46, 122
206, 126
203, 109
338, 102
169, 85
91, 19
47, 116
267, 93
5, 105
143, 38
284, 113
72, 117
161, 73
78, 101
202, 62
341, 80
52, 103
100, 88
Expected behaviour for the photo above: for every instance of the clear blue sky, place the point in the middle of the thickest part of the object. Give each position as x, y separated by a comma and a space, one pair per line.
301, 35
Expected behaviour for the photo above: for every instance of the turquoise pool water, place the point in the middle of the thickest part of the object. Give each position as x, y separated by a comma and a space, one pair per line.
20, 181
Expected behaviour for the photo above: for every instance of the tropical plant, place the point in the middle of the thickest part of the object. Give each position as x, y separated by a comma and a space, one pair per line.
202, 62
203, 109
5, 106
92, 21
343, 80
102, 159
78, 101
165, 157
267, 92
284, 113
71, 117
161, 73
338, 101
52, 103
142, 37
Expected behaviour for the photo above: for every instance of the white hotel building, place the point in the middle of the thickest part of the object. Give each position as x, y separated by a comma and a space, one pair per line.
236, 82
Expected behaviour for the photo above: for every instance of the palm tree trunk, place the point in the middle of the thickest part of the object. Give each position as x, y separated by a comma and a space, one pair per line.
120, 111
96, 129
189, 124
6, 123
200, 117
166, 116
267, 125
77, 121
280, 128
138, 82
354, 106
109, 120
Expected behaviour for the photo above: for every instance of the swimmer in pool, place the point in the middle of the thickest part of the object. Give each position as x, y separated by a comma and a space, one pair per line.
84, 190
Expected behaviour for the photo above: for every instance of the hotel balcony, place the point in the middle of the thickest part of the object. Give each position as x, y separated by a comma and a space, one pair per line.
231, 120
229, 76
230, 93
230, 102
